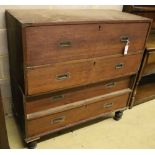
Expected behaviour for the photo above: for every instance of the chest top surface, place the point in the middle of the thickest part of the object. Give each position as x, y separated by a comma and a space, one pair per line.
34, 16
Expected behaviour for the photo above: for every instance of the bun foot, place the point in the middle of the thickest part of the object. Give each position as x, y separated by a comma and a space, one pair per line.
118, 115
32, 145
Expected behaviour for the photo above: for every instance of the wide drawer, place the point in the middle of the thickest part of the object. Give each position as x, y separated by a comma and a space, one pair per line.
58, 120
70, 74
51, 44
38, 103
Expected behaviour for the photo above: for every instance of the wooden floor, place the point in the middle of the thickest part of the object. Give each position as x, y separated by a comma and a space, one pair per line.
135, 130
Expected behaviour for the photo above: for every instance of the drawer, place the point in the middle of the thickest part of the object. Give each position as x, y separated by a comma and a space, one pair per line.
76, 115
145, 90
51, 44
34, 104
149, 67
70, 74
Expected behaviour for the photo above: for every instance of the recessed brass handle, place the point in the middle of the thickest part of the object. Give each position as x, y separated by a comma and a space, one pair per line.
57, 97
119, 66
110, 84
65, 44
58, 119
63, 76
124, 39
108, 105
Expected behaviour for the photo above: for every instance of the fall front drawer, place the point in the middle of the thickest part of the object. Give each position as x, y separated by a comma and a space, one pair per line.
51, 44
46, 101
39, 123
71, 74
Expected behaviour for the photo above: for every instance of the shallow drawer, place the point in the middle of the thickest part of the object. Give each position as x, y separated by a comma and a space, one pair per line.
50, 44
149, 67
73, 116
71, 74
44, 102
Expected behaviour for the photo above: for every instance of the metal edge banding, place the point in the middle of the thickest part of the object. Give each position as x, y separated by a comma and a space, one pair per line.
75, 104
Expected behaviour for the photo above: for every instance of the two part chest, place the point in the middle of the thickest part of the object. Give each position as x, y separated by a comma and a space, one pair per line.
73, 72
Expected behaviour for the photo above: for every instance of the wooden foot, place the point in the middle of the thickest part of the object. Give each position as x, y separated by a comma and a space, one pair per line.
118, 115
32, 145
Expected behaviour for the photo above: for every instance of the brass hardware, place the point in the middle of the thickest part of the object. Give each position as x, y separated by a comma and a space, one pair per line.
108, 105
110, 84
63, 76
58, 119
119, 66
65, 44
124, 39
57, 97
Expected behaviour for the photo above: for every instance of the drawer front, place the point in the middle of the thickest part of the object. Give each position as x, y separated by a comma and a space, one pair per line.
74, 95
65, 118
68, 75
145, 90
149, 67
51, 44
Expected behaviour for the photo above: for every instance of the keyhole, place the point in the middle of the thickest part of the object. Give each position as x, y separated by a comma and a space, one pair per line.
99, 28
94, 63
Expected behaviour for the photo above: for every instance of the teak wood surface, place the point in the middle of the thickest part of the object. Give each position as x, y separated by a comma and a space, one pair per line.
43, 124
65, 97
56, 44
68, 67
44, 79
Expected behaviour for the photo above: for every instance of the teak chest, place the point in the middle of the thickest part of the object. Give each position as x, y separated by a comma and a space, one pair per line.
71, 66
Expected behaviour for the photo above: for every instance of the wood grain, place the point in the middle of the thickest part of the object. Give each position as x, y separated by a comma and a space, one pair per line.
150, 44
145, 92
44, 124
71, 56
83, 72
45, 102
86, 41
149, 67
49, 16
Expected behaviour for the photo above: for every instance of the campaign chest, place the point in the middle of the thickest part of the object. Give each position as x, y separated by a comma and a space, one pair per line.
71, 66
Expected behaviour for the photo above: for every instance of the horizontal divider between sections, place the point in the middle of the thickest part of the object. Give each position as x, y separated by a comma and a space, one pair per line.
77, 104
83, 60
36, 137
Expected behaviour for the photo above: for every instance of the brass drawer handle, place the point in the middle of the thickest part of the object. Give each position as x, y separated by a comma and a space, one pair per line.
58, 119
65, 44
57, 97
124, 39
110, 84
119, 66
108, 105
63, 76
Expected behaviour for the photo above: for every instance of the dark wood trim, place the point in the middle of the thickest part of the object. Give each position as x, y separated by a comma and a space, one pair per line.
4, 144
